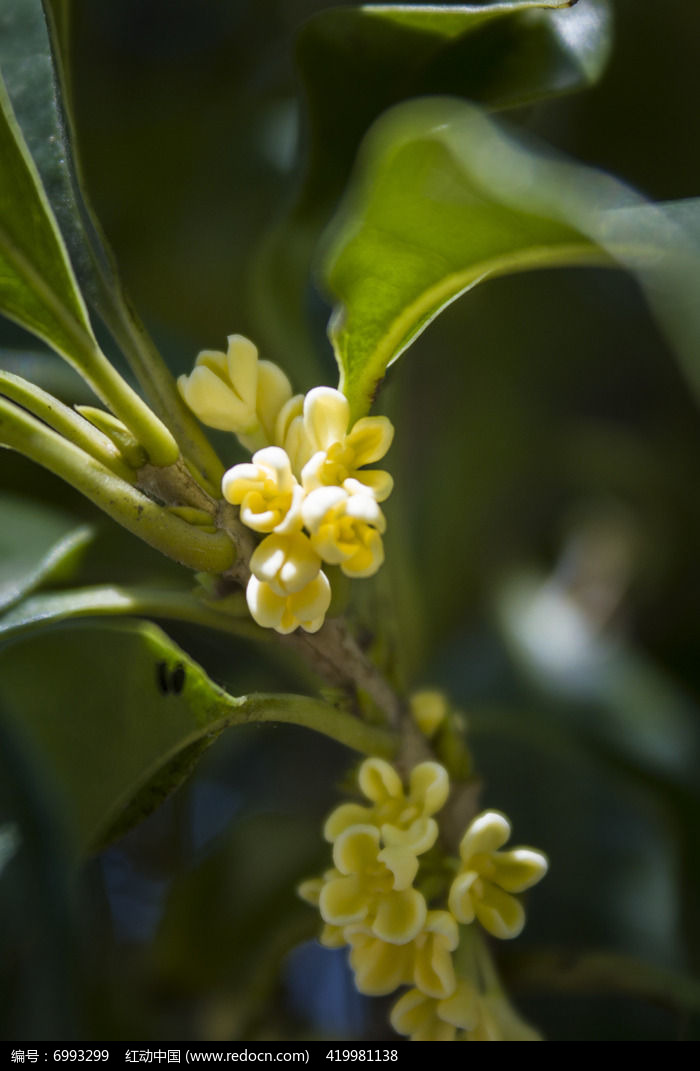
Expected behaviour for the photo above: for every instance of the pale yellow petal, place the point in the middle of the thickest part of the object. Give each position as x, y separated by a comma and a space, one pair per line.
429, 786
370, 438
379, 781
379, 968
400, 916
419, 837
402, 863
273, 391
311, 603
344, 816
518, 869
499, 913
356, 849
343, 901
310, 890
242, 360
213, 401
368, 557
434, 972
461, 896
488, 832
266, 607
215, 360
379, 483
326, 416
462, 1008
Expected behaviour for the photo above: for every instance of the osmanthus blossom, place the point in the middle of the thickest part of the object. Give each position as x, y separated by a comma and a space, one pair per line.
307, 471
488, 876
266, 491
237, 392
287, 588
392, 809
338, 454
422, 1017
346, 526
373, 900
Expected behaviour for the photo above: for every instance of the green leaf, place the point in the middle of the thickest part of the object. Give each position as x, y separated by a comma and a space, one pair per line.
358, 61
43, 115
38, 612
37, 286
117, 713
36, 543
444, 199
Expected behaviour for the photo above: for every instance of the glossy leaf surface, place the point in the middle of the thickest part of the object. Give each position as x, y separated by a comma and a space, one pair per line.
35, 542
358, 61
131, 686
443, 199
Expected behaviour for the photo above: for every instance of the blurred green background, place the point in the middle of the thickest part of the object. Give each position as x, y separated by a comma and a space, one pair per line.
559, 595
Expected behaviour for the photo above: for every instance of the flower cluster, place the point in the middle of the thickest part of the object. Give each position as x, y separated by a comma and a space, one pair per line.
375, 900
306, 488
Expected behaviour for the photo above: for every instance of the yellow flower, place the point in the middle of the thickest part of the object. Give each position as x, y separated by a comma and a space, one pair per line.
310, 891
433, 971
487, 877
346, 528
234, 391
305, 608
379, 967
290, 433
286, 562
339, 454
405, 820
423, 1018
368, 891
267, 492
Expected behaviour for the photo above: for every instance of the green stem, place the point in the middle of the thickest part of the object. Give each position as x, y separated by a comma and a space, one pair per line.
201, 551
83, 353
317, 715
65, 421
156, 381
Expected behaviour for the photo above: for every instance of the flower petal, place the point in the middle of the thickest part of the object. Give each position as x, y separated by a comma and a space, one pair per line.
242, 360
311, 603
418, 838
379, 968
379, 781
273, 390
356, 849
266, 607
343, 900
370, 438
326, 416
402, 863
518, 869
213, 401
498, 912
344, 816
462, 1008
400, 916
429, 786
461, 898
412, 1012
488, 832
